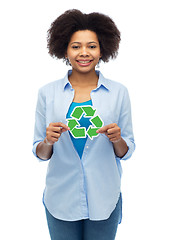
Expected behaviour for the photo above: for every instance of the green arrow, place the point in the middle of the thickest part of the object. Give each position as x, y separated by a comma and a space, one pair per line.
79, 132
72, 123
97, 121
89, 111
91, 132
77, 112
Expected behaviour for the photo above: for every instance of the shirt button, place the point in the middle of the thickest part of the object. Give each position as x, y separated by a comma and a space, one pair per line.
87, 147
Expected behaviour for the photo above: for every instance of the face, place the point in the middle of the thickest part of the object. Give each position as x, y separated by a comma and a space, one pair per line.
83, 51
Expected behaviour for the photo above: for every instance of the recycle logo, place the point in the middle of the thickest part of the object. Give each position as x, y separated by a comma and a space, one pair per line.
80, 132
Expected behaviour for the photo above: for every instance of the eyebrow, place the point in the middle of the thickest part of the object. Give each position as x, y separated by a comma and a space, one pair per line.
87, 43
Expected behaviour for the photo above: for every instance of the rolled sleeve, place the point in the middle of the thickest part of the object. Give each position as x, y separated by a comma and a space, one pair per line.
125, 123
40, 122
131, 148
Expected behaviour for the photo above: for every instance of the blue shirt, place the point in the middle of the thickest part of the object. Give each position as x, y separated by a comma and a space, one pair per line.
99, 169
79, 143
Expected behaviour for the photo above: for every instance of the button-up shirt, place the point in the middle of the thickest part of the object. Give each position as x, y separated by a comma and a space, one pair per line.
88, 187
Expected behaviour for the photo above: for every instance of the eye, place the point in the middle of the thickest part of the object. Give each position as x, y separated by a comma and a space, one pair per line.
92, 46
75, 47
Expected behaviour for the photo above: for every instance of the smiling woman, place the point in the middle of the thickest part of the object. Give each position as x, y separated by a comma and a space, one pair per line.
72, 21
83, 197
83, 51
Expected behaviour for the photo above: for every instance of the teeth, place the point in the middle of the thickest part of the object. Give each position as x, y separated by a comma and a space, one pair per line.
84, 61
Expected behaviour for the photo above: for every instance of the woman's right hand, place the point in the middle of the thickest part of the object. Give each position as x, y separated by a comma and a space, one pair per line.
54, 131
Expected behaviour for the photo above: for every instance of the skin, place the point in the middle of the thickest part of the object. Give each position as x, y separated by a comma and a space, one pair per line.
83, 45
83, 52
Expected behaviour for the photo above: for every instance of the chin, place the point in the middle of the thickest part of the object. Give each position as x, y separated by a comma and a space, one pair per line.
84, 71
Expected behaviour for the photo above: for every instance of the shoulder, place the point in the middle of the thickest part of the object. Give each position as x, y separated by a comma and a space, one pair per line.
117, 91
115, 86
50, 87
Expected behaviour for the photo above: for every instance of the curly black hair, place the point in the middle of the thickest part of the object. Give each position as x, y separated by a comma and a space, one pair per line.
61, 30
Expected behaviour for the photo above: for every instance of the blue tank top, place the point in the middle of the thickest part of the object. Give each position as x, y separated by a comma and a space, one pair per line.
79, 143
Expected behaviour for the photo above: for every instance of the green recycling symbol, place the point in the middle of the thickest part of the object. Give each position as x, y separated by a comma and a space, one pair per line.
81, 132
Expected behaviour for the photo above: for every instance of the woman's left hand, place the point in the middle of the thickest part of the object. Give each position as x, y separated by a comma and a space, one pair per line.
112, 131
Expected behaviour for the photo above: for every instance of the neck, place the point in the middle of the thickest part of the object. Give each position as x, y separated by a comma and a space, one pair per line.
82, 79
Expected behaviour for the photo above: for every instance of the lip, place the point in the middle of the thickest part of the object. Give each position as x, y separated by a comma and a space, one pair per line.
84, 62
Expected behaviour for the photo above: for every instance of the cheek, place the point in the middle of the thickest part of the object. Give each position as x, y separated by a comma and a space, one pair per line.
98, 55
72, 56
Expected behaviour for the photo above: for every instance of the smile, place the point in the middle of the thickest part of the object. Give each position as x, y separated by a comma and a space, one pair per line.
87, 61
84, 63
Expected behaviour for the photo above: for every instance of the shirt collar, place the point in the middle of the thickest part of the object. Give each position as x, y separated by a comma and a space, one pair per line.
101, 82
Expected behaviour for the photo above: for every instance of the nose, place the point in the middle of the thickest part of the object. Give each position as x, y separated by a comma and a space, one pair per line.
84, 52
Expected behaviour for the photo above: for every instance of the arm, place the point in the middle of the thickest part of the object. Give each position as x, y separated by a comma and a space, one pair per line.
44, 149
44, 138
113, 132
120, 148
121, 135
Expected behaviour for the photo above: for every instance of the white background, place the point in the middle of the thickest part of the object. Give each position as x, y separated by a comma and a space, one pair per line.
142, 66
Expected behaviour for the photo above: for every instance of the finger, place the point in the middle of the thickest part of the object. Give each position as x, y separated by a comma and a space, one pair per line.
51, 139
54, 130
110, 136
64, 130
113, 130
55, 135
54, 139
105, 128
57, 129
102, 129
62, 125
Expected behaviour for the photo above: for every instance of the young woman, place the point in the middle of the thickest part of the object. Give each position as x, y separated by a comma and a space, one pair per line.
83, 127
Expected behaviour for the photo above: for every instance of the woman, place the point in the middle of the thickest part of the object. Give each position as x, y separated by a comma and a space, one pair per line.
83, 127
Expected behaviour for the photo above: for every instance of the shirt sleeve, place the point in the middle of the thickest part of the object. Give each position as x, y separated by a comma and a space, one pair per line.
40, 122
125, 124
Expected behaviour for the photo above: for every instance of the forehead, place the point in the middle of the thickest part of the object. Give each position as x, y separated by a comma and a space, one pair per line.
84, 36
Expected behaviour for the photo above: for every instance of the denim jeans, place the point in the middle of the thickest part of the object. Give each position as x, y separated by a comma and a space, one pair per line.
85, 229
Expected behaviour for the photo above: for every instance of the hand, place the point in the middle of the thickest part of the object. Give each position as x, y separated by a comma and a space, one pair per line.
112, 131
54, 131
